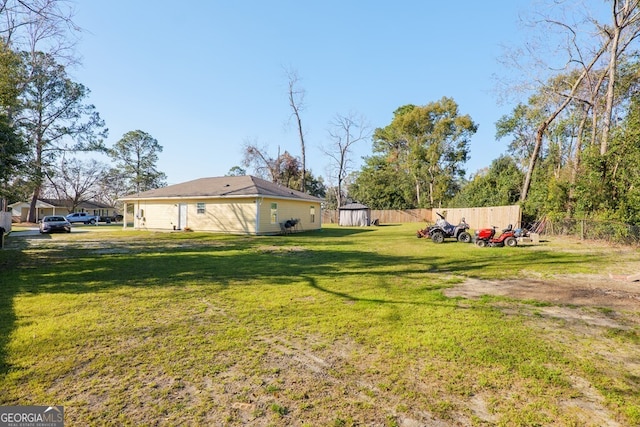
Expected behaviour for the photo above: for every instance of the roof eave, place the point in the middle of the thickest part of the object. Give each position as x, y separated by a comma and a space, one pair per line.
196, 196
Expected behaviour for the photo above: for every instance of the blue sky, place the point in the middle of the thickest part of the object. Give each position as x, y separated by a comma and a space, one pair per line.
203, 77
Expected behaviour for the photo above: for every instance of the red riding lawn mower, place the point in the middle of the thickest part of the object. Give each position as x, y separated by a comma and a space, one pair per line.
487, 237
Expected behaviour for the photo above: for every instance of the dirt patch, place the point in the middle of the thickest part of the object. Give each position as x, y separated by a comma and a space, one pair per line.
280, 249
581, 290
581, 312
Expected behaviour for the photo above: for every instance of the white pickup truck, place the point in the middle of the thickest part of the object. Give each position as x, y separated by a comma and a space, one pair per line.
83, 217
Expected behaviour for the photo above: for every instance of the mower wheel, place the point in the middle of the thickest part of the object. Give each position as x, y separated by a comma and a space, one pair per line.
511, 242
464, 237
481, 243
437, 237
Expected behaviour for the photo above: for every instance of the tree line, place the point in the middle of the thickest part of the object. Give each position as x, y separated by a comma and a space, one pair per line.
573, 135
573, 143
46, 122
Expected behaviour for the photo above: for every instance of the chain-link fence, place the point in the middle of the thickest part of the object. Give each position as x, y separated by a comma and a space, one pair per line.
585, 229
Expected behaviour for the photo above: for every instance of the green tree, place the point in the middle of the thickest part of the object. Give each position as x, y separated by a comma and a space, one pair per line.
13, 150
520, 126
12, 154
136, 157
380, 185
497, 185
610, 186
54, 118
236, 171
428, 146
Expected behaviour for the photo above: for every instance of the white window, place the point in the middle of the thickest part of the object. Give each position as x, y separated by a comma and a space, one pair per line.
312, 214
200, 208
274, 213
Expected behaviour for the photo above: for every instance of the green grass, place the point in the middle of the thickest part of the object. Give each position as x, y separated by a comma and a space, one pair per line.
345, 326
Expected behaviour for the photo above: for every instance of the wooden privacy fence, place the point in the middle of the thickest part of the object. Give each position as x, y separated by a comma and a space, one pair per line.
391, 216
500, 216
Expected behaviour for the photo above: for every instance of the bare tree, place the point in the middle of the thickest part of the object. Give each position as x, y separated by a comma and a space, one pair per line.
296, 102
568, 43
39, 25
111, 187
76, 181
625, 27
284, 169
258, 159
344, 132
568, 97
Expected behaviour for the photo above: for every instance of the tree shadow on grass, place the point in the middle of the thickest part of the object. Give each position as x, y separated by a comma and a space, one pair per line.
76, 267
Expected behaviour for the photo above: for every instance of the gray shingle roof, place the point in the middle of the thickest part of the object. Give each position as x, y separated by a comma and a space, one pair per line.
88, 204
223, 187
353, 207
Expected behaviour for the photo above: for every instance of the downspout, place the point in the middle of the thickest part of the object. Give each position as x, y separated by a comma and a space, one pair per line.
258, 205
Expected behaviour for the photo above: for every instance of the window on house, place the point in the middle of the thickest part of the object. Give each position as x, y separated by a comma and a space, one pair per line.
274, 213
312, 214
200, 208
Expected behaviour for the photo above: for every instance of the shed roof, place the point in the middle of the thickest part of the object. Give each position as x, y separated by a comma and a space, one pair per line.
353, 207
223, 187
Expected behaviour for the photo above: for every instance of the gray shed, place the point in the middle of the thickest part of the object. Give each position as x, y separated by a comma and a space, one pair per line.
354, 214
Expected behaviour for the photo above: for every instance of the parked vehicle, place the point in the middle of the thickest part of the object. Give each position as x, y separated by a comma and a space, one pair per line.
110, 219
487, 237
52, 223
83, 217
443, 229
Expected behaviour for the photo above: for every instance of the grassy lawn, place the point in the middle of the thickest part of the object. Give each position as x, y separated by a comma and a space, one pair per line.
340, 327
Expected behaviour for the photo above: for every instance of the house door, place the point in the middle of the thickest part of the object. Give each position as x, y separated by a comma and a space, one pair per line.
182, 216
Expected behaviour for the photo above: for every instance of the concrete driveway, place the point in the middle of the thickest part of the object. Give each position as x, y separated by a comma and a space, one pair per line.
75, 228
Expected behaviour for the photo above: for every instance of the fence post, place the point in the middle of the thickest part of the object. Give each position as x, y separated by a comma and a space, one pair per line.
582, 224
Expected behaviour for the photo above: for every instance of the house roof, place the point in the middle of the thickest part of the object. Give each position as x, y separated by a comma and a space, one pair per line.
88, 204
223, 187
39, 204
61, 203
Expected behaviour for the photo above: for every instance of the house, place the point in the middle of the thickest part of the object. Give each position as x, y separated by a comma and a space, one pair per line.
354, 214
229, 204
44, 207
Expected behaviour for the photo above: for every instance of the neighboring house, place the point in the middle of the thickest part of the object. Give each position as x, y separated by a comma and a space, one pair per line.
44, 207
354, 214
229, 204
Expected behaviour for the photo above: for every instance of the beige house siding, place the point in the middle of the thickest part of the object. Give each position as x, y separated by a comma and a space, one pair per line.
287, 210
237, 216
229, 204
234, 216
156, 215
